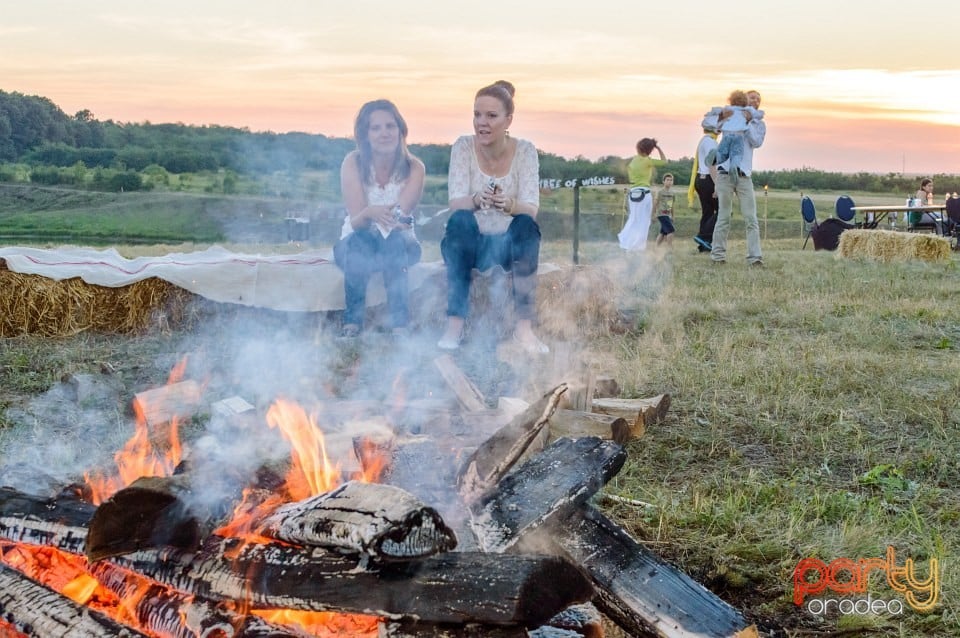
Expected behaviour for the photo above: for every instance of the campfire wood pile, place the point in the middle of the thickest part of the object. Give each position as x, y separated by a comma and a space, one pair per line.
498, 537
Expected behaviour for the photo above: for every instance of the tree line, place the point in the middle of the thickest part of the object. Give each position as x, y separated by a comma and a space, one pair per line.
57, 148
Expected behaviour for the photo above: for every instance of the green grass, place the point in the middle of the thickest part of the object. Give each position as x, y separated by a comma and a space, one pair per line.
816, 408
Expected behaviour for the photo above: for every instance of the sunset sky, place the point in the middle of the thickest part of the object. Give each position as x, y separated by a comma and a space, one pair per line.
848, 86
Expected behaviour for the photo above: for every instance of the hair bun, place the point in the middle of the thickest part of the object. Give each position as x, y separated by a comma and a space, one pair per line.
506, 86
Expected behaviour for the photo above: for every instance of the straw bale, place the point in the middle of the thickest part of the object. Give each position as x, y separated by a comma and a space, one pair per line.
891, 245
37, 305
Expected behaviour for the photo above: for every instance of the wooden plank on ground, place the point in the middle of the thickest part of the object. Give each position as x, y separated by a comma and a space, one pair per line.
467, 393
639, 413
161, 405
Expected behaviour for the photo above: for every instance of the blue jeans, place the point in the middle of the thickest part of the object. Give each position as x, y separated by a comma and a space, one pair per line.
366, 251
517, 250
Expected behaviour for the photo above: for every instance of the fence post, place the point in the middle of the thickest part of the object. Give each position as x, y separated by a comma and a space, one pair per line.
576, 224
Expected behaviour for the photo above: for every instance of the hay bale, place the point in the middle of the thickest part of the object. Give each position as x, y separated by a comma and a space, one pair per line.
891, 245
37, 305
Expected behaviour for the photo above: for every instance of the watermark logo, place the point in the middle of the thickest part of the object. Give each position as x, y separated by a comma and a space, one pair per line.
816, 579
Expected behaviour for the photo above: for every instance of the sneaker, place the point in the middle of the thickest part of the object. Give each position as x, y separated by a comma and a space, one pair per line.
704, 245
450, 343
719, 262
758, 262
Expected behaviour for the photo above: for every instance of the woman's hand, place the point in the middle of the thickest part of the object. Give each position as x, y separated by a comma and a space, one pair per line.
499, 201
382, 215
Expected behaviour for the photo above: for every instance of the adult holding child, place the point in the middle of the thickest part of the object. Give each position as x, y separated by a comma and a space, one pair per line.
734, 171
382, 184
494, 191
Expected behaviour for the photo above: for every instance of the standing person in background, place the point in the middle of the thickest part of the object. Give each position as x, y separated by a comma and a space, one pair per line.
382, 183
663, 205
703, 181
494, 191
733, 178
640, 172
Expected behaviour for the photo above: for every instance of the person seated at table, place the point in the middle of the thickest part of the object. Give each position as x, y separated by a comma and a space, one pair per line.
924, 197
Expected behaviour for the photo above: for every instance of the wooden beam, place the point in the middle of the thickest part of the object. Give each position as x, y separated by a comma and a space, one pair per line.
545, 488
495, 456
643, 594
639, 413
162, 404
573, 424
466, 392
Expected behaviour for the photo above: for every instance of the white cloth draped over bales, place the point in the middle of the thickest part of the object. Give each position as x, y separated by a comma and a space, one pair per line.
307, 281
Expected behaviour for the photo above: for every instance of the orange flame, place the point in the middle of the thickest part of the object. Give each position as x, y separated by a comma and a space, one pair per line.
140, 457
312, 472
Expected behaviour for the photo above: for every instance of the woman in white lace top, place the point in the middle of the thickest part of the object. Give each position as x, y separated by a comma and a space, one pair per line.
494, 191
382, 183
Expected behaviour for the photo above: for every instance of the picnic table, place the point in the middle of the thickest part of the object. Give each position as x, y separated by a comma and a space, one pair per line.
873, 215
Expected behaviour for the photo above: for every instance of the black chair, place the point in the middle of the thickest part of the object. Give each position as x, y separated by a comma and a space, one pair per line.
809, 213
951, 223
844, 209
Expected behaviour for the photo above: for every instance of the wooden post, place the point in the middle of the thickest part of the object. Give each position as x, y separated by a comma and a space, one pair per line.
576, 223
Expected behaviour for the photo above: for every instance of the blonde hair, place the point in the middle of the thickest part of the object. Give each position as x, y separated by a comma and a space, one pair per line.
738, 98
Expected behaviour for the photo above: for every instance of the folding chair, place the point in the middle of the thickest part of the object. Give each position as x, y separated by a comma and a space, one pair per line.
844, 209
809, 213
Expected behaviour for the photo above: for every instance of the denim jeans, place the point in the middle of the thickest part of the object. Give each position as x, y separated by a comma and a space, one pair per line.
742, 186
517, 250
366, 251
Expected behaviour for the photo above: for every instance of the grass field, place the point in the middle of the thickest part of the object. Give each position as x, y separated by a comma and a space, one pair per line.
815, 412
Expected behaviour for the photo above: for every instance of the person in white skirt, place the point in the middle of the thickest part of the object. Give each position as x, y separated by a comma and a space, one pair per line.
640, 172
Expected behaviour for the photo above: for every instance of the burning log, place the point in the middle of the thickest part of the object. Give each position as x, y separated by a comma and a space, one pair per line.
37, 611
378, 520
547, 487
166, 612
494, 458
59, 523
406, 628
455, 587
150, 512
636, 589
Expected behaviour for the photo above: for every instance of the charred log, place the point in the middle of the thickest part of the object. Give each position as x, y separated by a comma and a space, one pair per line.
39, 612
456, 587
415, 629
494, 458
381, 521
166, 612
59, 523
150, 512
643, 594
547, 487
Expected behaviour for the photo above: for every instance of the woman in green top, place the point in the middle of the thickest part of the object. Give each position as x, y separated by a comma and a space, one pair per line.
640, 172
